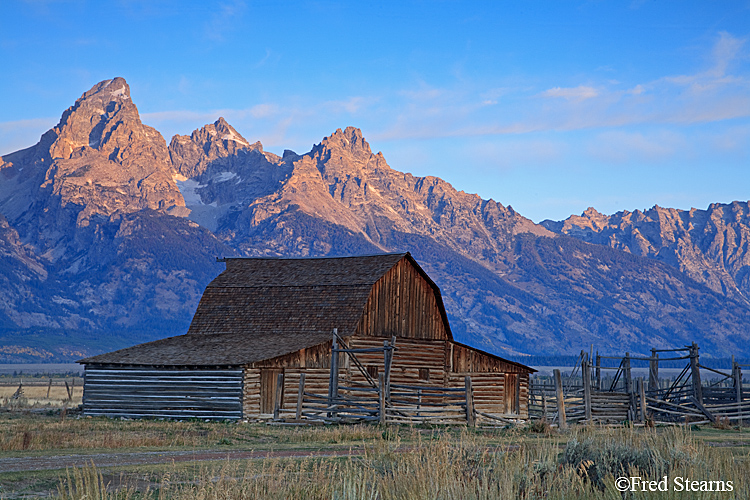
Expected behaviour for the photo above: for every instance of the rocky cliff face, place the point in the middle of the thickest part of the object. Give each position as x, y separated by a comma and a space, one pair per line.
98, 161
710, 246
342, 182
113, 236
510, 285
72, 205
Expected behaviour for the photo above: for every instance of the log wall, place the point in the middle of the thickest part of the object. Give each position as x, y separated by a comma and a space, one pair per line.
316, 381
431, 363
150, 392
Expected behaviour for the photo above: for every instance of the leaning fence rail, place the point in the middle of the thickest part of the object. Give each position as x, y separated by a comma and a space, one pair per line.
686, 399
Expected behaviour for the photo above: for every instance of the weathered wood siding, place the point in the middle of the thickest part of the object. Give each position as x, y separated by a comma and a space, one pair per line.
314, 361
490, 380
149, 392
417, 362
402, 303
465, 359
316, 381
318, 356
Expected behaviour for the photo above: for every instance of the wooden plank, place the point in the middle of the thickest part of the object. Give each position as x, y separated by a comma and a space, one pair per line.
381, 398
586, 377
300, 394
653, 371
470, 421
696, 374
562, 421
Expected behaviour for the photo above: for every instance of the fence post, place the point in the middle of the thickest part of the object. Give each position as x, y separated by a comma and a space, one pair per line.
388, 366
49, 386
697, 387
300, 395
562, 421
586, 376
598, 372
469, 402
626, 369
544, 406
653, 371
737, 375
333, 379
381, 397
279, 394
642, 397
335, 366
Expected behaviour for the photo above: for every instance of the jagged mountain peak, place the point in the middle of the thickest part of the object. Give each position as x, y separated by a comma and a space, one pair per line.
349, 141
590, 212
217, 145
90, 121
223, 135
99, 160
116, 87
708, 245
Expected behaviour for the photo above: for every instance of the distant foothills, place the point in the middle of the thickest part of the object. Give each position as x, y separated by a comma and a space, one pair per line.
108, 237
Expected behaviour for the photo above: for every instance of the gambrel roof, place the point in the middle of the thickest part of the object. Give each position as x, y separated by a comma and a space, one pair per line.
282, 295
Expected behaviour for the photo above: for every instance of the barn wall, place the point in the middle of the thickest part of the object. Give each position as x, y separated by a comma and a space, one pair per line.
402, 303
316, 381
415, 362
143, 392
318, 356
489, 379
411, 359
466, 359
314, 361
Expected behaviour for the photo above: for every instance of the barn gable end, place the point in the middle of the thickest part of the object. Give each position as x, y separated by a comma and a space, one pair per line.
404, 302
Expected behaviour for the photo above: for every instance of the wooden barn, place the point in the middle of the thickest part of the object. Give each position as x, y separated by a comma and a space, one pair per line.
262, 336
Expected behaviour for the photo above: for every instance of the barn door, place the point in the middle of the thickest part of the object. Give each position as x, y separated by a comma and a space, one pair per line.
268, 380
511, 393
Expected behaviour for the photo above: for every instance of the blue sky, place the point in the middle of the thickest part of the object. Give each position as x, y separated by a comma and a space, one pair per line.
550, 107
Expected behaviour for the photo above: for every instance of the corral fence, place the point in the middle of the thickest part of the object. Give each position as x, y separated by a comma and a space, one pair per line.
588, 395
379, 400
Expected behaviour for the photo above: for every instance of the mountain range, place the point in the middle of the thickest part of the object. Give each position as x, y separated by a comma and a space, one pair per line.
108, 237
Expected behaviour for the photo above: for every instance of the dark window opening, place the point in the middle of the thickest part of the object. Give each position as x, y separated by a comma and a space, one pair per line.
424, 374
372, 371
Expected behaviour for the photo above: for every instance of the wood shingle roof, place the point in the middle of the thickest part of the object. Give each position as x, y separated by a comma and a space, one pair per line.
260, 308
229, 349
287, 296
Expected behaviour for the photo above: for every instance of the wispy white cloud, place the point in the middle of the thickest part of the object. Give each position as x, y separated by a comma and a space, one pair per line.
719, 92
617, 147
424, 92
270, 56
179, 115
580, 93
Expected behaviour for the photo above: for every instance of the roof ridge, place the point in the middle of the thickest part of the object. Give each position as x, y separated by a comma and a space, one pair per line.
263, 257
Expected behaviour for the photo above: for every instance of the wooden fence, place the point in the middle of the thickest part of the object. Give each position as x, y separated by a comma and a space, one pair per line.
587, 396
379, 400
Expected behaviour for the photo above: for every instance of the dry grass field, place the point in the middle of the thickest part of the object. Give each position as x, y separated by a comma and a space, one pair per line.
39, 393
528, 462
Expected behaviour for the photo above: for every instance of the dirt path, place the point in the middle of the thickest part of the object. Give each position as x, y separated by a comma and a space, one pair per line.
20, 464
